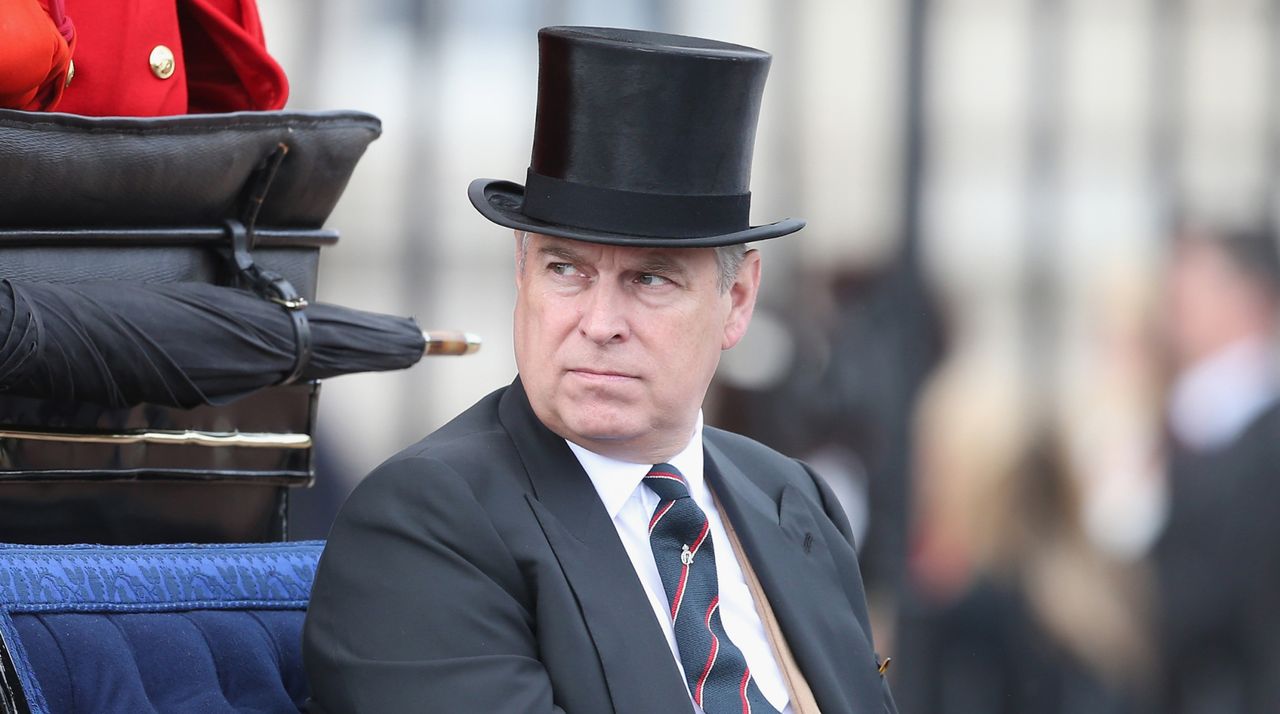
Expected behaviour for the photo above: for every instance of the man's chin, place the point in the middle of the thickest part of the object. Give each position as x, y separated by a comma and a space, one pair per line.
600, 399
603, 431
602, 425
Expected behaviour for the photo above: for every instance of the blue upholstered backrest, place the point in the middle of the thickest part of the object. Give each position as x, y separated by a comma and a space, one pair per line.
164, 628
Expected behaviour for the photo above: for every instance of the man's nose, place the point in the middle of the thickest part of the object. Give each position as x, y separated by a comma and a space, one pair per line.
604, 319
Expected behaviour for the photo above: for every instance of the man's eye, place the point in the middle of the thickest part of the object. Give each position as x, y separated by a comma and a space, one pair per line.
562, 268
651, 280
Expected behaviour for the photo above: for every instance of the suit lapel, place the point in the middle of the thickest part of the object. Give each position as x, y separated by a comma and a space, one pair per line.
791, 558
640, 671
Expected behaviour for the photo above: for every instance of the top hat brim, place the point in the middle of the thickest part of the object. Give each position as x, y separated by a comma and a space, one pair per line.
503, 203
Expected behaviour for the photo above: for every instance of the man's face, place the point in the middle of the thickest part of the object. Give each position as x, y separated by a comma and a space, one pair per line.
1211, 302
616, 346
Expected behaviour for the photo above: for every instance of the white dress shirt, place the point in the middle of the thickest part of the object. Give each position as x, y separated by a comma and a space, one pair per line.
630, 503
1216, 399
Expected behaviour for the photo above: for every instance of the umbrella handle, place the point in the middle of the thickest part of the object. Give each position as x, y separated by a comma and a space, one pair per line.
450, 342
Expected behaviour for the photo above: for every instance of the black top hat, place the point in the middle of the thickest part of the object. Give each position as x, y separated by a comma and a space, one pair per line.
642, 139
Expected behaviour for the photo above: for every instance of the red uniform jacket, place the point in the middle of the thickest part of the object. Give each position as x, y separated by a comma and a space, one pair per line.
148, 57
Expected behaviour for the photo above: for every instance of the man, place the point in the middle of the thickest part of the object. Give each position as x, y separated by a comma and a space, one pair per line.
579, 541
1217, 558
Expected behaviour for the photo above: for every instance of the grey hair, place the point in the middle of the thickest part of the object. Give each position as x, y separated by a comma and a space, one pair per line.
728, 260
523, 236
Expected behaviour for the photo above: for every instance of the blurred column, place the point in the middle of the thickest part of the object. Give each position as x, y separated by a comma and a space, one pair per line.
850, 123
423, 192
1165, 76
1225, 160
1110, 216
488, 73
1041, 255
1120, 72
973, 217
909, 319
1273, 113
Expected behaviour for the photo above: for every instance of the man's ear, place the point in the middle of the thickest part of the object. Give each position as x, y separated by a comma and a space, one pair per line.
742, 299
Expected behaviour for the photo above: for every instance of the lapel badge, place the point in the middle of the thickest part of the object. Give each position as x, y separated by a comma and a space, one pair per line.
884, 666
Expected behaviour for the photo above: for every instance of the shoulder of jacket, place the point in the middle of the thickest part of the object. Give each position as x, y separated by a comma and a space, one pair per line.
737, 445
745, 451
466, 448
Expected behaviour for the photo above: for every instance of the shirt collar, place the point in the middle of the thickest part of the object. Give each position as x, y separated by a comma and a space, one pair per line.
616, 481
1212, 402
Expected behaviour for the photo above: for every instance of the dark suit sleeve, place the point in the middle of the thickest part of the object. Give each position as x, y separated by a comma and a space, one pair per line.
835, 512
418, 605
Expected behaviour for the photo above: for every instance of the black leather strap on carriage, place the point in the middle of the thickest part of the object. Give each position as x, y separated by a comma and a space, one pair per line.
259, 184
274, 287
268, 283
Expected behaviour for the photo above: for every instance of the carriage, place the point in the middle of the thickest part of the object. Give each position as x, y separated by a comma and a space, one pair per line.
152, 424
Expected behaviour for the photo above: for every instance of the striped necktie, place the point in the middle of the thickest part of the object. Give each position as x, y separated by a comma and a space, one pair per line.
714, 668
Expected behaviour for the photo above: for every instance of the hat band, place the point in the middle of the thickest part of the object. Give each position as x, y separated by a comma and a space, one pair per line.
612, 210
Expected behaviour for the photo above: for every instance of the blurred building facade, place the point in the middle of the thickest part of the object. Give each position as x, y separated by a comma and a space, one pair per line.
1032, 148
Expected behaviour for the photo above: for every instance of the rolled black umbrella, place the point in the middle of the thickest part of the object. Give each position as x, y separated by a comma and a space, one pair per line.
181, 344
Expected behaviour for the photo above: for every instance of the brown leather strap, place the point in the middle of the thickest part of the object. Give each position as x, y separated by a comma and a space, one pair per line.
802, 701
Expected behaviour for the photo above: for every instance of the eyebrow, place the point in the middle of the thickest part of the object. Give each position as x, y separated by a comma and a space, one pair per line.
660, 263
655, 262
556, 251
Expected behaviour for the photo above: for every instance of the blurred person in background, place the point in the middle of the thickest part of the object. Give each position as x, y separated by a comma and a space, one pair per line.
859, 341
1218, 559
1012, 608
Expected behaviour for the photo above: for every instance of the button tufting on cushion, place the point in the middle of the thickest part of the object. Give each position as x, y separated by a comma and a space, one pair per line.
136, 629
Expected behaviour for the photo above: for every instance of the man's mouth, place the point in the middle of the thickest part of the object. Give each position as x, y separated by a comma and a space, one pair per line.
601, 375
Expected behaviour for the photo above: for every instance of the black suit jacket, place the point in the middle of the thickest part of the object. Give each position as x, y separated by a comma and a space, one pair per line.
1218, 563
478, 572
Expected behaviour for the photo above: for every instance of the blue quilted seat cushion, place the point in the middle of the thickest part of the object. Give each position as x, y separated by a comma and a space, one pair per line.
171, 628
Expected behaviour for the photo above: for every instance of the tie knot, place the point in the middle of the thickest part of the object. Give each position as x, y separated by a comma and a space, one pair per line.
667, 481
